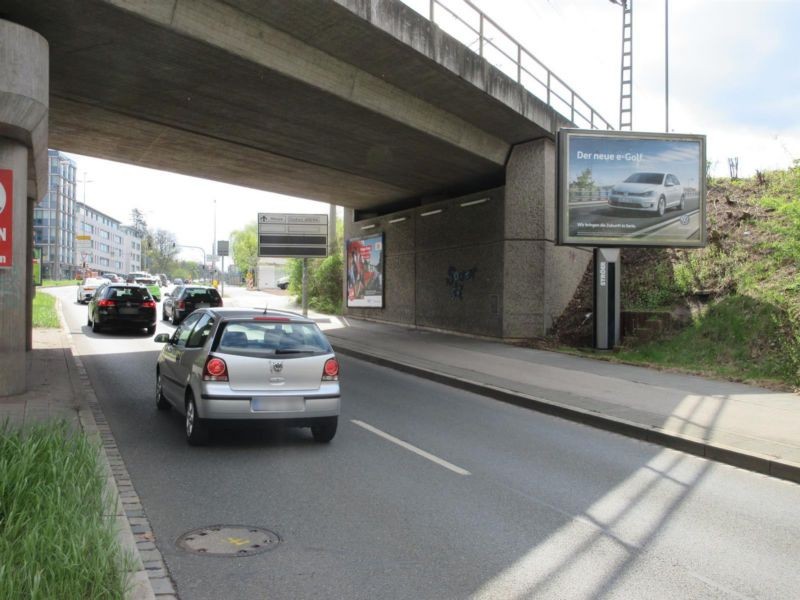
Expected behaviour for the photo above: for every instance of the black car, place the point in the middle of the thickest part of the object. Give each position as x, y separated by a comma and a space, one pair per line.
120, 305
184, 299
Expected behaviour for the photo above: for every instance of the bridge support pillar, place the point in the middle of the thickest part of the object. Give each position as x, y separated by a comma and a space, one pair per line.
24, 82
539, 278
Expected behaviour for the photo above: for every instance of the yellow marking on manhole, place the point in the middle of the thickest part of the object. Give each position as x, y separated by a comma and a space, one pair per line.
237, 541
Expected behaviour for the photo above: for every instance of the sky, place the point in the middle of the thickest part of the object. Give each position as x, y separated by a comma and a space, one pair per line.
734, 76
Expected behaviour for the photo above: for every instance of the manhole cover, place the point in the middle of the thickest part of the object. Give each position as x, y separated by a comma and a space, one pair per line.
228, 540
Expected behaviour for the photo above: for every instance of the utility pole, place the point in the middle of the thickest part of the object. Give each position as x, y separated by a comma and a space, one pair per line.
626, 67
666, 63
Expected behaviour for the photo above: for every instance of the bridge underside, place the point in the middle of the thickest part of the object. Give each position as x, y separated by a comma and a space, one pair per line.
363, 104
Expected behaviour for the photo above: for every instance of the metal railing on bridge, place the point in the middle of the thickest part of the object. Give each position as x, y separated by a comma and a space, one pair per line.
508, 55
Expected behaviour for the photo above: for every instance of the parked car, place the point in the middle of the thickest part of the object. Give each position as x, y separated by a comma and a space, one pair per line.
88, 286
246, 364
147, 280
178, 281
283, 282
122, 306
186, 298
652, 192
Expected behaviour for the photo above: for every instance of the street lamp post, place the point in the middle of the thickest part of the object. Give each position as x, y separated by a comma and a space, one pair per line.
666, 64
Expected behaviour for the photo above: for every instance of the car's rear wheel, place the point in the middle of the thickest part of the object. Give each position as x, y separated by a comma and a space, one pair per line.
196, 428
95, 326
163, 313
161, 402
324, 429
175, 319
151, 330
683, 202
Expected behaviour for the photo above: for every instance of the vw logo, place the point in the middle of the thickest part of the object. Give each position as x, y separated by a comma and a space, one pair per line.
276, 366
685, 220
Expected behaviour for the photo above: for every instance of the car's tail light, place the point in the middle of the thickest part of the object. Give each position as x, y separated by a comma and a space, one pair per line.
148, 304
215, 370
107, 303
181, 304
331, 370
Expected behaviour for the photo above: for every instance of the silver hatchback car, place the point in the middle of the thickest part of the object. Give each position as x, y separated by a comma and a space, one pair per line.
247, 364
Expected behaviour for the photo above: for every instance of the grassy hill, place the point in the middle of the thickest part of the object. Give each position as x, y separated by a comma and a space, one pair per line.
731, 309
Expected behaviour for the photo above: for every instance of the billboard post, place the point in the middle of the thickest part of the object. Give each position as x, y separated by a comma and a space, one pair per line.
607, 277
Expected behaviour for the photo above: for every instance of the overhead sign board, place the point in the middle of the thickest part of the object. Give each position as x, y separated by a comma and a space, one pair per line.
6, 214
292, 235
631, 189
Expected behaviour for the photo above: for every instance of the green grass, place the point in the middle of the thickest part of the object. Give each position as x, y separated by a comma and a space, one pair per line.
44, 311
751, 331
55, 541
737, 338
58, 282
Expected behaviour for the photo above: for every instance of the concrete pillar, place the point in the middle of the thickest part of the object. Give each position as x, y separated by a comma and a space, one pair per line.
539, 277
24, 92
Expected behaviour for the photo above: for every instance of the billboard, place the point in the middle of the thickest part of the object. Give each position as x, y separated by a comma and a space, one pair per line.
6, 213
365, 272
631, 189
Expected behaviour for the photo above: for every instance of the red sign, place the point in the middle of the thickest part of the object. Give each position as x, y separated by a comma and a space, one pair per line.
6, 205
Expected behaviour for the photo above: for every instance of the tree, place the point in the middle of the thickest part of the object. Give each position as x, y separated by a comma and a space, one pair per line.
585, 180
140, 226
162, 251
244, 247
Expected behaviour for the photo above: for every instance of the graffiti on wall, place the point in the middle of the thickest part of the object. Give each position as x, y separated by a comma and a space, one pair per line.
456, 279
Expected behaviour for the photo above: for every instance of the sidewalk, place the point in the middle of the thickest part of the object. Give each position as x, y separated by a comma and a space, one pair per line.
741, 425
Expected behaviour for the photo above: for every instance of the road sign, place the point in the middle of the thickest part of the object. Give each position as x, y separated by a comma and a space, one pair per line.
222, 247
292, 235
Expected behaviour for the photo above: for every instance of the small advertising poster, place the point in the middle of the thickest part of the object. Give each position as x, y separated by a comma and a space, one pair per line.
631, 189
6, 221
365, 272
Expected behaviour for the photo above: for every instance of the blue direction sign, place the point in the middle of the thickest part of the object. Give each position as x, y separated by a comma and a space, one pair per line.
292, 235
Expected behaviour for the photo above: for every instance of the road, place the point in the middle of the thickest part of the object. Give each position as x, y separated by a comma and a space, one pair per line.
432, 492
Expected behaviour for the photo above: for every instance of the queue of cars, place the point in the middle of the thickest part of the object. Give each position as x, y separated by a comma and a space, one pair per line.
227, 364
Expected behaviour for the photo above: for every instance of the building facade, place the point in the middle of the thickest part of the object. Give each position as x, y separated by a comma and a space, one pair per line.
54, 220
104, 244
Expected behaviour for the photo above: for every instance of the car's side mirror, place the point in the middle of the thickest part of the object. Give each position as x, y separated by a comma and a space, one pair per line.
162, 338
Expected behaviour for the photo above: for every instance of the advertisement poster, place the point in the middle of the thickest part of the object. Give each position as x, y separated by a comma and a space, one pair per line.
6, 222
365, 272
631, 189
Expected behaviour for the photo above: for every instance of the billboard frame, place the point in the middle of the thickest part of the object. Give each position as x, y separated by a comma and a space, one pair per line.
565, 137
382, 237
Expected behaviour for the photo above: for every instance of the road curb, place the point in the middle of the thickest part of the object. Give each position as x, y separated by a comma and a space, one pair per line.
758, 463
133, 537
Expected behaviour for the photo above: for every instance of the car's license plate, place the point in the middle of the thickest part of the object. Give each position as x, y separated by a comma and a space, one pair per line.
128, 311
202, 305
277, 404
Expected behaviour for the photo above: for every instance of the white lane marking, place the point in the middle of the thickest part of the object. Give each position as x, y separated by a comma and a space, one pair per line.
439, 461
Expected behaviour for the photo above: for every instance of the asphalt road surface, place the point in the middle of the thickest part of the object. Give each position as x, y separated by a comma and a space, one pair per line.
428, 492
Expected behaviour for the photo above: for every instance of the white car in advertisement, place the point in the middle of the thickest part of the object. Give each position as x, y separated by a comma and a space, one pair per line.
649, 192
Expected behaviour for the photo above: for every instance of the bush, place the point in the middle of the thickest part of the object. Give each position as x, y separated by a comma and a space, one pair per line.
325, 286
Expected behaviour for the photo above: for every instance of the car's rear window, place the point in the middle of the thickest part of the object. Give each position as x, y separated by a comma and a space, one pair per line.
266, 337
201, 294
131, 293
